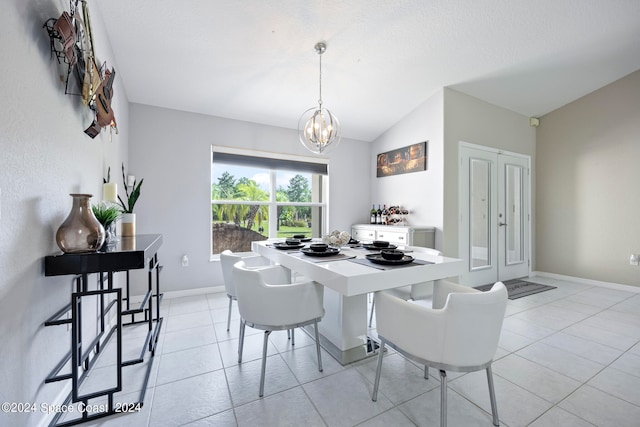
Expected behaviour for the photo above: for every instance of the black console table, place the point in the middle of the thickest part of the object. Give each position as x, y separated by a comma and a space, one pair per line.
115, 312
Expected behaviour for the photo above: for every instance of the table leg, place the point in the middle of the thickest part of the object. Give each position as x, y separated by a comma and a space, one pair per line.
343, 328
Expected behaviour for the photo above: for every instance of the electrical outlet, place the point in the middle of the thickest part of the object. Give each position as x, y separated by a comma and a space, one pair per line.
634, 259
185, 261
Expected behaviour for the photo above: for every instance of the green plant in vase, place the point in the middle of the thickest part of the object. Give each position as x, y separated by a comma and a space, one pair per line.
128, 217
107, 214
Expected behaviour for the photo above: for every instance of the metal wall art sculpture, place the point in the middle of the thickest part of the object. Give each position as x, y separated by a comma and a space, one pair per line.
71, 40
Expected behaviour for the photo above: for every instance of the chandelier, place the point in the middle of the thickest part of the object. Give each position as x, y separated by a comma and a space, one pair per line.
319, 128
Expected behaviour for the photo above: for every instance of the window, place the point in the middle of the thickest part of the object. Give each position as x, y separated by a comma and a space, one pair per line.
255, 196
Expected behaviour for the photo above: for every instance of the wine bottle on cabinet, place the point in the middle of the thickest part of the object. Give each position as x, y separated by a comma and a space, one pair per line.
379, 215
373, 215
385, 215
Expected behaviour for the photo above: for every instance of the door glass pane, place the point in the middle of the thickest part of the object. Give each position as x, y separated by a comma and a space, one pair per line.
514, 204
479, 214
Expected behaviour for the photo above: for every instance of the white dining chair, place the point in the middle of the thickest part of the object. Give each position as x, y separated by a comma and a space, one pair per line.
460, 333
268, 302
227, 259
418, 291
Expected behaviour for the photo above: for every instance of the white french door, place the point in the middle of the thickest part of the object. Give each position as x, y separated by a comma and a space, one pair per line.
494, 214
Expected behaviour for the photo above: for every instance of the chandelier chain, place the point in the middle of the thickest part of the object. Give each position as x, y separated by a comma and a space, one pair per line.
318, 128
320, 99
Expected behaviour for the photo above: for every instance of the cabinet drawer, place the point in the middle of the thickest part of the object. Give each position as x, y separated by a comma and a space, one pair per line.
363, 234
393, 236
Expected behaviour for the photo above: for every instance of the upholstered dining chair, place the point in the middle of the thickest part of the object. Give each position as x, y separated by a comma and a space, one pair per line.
267, 302
227, 259
460, 333
414, 292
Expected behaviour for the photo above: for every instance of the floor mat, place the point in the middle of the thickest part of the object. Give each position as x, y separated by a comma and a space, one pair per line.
518, 288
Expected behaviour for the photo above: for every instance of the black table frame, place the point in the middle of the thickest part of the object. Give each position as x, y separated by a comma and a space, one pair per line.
130, 253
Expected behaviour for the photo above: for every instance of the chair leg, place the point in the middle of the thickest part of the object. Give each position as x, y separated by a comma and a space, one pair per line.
288, 334
426, 372
264, 361
492, 396
443, 399
315, 326
376, 383
373, 306
241, 340
293, 337
229, 315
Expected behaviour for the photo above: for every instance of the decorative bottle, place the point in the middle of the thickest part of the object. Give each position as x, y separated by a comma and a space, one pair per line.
373, 215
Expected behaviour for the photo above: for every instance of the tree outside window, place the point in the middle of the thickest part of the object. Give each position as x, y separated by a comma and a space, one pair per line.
243, 209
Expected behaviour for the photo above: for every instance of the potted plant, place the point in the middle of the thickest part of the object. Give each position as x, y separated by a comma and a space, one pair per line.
128, 217
107, 214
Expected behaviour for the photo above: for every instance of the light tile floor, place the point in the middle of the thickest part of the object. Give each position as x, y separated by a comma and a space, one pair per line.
567, 357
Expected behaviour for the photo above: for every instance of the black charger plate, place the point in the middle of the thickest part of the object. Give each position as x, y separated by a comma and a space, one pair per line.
328, 252
373, 247
378, 259
286, 246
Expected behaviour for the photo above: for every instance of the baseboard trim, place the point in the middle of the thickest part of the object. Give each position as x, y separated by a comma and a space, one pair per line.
193, 292
184, 293
610, 285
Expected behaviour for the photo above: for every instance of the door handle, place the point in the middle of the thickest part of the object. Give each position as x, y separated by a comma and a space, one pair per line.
502, 224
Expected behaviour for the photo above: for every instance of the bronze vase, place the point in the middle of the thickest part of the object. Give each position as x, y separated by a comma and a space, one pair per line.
81, 231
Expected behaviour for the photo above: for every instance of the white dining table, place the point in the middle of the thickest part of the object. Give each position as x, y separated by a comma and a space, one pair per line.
348, 278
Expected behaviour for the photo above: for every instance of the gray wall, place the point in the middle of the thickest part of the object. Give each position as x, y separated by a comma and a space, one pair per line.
588, 185
44, 156
171, 150
445, 119
419, 192
474, 121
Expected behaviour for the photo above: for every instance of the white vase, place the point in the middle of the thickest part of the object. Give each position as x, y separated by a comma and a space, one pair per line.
128, 221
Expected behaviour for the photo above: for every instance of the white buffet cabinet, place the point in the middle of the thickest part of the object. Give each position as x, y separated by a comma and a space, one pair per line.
407, 235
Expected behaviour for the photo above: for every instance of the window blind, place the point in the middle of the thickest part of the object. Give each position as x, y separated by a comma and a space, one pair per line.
270, 163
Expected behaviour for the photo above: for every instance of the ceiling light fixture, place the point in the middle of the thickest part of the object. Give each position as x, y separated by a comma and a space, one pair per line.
318, 128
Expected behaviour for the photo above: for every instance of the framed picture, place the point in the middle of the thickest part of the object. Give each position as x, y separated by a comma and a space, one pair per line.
412, 158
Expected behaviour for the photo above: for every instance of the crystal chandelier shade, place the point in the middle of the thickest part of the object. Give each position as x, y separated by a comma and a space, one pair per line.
319, 128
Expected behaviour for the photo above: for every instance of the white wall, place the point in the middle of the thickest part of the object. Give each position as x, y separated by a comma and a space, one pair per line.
171, 150
588, 185
45, 155
420, 192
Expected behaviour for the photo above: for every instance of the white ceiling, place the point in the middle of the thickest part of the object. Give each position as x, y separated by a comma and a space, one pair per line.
254, 60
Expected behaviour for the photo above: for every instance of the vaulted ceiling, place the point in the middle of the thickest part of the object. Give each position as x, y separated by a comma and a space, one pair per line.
254, 60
